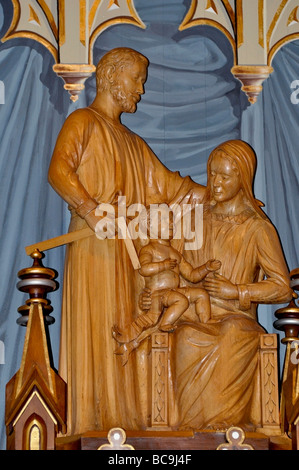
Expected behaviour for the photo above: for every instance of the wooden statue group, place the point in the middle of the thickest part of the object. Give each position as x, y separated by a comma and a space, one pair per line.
205, 295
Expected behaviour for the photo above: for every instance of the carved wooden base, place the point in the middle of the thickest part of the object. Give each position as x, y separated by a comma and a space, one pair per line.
162, 440
159, 364
295, 436
269, 385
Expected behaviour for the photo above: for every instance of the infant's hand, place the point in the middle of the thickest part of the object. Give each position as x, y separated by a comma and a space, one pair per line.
213, 265
204, 317
170, 263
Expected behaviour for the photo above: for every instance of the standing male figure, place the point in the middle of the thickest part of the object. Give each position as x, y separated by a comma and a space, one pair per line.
95, 160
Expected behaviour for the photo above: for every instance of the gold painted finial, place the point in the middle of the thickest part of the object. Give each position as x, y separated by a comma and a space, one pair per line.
36, 254
252, 78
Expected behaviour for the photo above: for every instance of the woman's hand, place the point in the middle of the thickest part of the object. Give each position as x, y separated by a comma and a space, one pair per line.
219, 286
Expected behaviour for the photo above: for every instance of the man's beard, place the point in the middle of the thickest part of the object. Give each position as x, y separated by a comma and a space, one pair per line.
127, 105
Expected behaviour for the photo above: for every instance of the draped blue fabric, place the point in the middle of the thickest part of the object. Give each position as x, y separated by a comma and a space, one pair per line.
271, 127
192, 103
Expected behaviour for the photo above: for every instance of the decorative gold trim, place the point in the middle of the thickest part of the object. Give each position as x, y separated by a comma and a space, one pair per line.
74, 89
211, 5
107, 24
74, 76
35, 440
92, 13
31, 444
188, 17
19, 381
293, 18
134, 14
61, 22
274, 49
113, 2
230, 13
261, 7
74, 68
83, 22
239, 22
252, 78
274, 22
134, 20
12, 34
288, 309
37, 270
199, 21
35, 393
49, 16
33, 16
14, 21
246, 69
36, 37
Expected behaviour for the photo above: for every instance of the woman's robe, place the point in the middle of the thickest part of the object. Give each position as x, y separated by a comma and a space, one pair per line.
215, 366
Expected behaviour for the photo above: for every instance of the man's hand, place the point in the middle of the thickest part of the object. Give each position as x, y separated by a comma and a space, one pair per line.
103, 226
92, 220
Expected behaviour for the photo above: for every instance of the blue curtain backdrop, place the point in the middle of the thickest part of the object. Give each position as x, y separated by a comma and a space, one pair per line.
192, 103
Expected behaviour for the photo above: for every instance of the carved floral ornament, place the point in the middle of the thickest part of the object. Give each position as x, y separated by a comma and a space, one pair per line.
256, 29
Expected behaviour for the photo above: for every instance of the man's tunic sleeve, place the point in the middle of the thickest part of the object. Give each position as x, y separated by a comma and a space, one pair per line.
165, 186
66, 158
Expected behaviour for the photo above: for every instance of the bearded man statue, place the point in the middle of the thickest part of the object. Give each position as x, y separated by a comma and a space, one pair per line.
97, 159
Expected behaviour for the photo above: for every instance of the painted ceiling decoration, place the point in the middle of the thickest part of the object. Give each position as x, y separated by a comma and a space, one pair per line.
68, 29
256, 29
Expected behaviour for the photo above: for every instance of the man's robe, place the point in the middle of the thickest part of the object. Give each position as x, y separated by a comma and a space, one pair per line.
98, 159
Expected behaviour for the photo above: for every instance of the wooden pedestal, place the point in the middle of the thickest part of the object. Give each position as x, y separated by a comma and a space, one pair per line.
161, 440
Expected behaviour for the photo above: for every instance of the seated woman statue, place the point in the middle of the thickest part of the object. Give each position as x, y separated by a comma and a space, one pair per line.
215, 366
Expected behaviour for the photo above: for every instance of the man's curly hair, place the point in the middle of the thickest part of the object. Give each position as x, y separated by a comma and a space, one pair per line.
114, 60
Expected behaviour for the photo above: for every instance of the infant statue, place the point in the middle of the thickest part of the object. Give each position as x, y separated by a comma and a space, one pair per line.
161, 266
